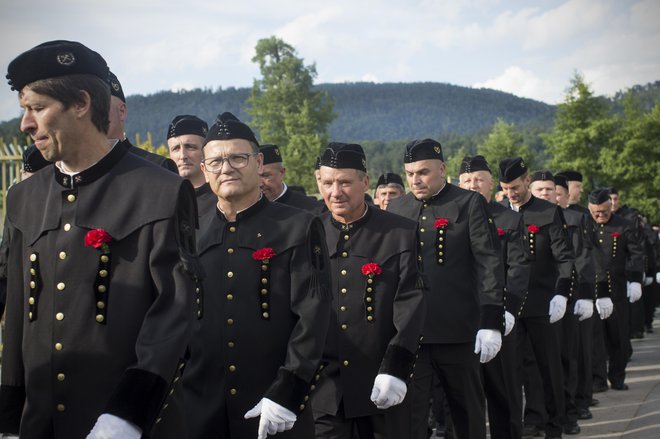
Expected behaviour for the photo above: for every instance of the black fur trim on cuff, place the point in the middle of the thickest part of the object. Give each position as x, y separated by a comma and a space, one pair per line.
635, 276
563, 287
138, 397
587, 291
397, 362
492, 317
603, 289
288, 390
12, 400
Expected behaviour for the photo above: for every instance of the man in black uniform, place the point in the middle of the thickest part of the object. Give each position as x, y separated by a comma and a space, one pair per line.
549, 287
258, 347
465, 280
101, 267
185, 140
272, 181
388, 188
378, 313
499, 375
118, 115
624, 261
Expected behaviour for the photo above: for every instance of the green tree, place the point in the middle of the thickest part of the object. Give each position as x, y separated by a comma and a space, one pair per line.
288, 111
631, 160
582, 128
505, 140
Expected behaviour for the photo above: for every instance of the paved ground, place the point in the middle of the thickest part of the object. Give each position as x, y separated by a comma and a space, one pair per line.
632, 414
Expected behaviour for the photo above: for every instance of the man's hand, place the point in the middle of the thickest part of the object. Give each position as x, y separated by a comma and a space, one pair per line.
113, 427
274, 417
584, 309
388, 391
605, 307
557, 308
488, 343
509, 322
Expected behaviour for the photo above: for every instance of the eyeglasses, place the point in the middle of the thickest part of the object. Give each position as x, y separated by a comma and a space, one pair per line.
236, 161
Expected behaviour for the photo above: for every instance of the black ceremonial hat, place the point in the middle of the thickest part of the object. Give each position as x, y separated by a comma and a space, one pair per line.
543, 175
512, 168
53, 59
271, 153
474, 164
571, 175
614, 191
424, 149
227, 127
33, 160
344, 155
561, 180
115, 87
389, 178
317, 163
599, 196
187, 124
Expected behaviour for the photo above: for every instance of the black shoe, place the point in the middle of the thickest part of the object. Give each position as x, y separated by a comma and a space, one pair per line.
594, 402
649, 329
636, 335
573, 428
551, 436
622, 386
584, 414
598, 388
531, 431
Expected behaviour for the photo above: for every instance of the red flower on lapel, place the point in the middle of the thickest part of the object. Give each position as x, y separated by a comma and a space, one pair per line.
371, 269
533, 228
442, 222
263, 254
98, 238
615, 234
500, 232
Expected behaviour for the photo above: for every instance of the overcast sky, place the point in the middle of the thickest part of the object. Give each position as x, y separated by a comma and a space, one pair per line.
529, 48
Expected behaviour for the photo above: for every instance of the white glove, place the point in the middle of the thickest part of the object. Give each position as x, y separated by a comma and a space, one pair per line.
488, 342
648, 280
388, 391
509, 322
634, 291
8, 436
604, 306
657, 277
274, 417
110, 426
557, 308
584, 309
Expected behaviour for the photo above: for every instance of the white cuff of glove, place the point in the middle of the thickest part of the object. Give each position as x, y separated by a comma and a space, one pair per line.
634, 291
605, 307
274, 418
388, 391
488, 344
113, 427
584, 309
557, 308
509, 322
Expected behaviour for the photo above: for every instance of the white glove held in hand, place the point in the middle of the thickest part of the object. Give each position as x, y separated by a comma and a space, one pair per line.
657, 277
634, 291
388, 391
584, 309
557, 308
605, 307
488, 343
648, 280
274, 417
509, 322
113, 427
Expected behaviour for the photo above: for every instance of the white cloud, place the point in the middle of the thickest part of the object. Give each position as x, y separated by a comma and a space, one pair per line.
523, 83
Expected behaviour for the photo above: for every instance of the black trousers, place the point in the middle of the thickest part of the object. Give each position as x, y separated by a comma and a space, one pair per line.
544, 338
499, 379
457, 368
569, 360
637, 316
599, 358
650, 297
617, 341
584, 389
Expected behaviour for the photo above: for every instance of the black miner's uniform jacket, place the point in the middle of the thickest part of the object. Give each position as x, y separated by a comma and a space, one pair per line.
88, 332
550, 253
588, 266
206, 199
515, 258
296, 199
264, 322
376, 323
461, 263
150, 156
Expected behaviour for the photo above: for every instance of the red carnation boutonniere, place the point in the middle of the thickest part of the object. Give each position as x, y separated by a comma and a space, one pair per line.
615, 234
533, 228
371, 269
441, 223
98, 238
263, 254
500, 232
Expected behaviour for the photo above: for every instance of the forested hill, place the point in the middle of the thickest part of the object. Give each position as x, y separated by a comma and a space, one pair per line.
365, 111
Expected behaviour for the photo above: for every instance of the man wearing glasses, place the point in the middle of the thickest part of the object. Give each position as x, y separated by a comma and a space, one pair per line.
257, 346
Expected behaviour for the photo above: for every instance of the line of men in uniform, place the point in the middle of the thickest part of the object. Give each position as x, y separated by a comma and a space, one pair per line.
224, 304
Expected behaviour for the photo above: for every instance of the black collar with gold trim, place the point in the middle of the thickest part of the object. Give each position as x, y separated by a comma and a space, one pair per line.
92, 173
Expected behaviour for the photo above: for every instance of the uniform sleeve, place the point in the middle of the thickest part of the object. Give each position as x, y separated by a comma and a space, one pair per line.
634, 255
584, 262
562, 253
12, 390
310, 302
165, 332
408, 317
4, 260
487, 265
517, 270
